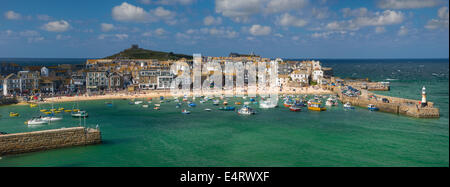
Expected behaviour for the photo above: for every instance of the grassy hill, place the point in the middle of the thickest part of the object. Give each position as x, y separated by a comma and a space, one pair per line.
138, 53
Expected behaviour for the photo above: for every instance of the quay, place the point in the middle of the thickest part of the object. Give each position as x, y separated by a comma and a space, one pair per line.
396, 105
49, 139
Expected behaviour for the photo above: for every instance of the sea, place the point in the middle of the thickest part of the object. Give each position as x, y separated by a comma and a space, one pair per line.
137, 136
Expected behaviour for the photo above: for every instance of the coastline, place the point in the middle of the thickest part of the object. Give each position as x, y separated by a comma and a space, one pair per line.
155, 94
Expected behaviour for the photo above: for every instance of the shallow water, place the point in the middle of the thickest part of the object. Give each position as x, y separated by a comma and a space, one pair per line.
134, 136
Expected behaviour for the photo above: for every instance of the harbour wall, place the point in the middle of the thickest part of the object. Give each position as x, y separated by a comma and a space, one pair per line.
396, 105
8, 101
48, 139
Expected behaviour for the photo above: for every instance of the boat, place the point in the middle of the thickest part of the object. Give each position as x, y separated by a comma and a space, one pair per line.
57, 112
252, 100
138, 102
247, 103
61, 109
184, 111
48, 113
75, 110
80, 114
44, 110
216, 102
372, 107
51, 118
288, 103
300, 103
13, 114
295, 109
192, 105
157, 105
246, 110
144, 106
67, 111
33, 105
348, 106
267, 104
156, 108
36, 121
238, 103
208, 109
109, 104
225, 103
314, 106
228, 108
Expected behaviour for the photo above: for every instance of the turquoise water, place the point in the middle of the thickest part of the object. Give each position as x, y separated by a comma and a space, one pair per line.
134, 136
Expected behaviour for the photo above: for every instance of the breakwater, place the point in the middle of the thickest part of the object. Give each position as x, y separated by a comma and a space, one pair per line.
394, 105
8, 101
48, 139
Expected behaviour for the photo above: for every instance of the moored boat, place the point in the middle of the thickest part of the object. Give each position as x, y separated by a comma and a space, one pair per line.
228, 108
36, 121
13, 114
184, 111
80, 114
316, 107
295, 109
267, 104
348, 106
372, 107
246, 110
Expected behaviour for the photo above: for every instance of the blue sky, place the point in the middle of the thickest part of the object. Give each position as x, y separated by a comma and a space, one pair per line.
271, 28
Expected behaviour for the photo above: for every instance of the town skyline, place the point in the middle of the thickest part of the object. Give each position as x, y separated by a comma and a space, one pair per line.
278, 28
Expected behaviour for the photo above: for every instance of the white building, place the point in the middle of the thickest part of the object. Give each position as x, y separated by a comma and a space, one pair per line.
301, 76
44, 72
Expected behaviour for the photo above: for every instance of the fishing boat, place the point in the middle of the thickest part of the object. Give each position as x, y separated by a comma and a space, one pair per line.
300, 103
79, 114
246, 110
372, 107
314, 106
228, 108
295, 109
267, 104
13, 114
348, 106
36, 121
184, 111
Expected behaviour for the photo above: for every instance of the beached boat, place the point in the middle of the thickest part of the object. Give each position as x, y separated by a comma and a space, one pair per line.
36, 121
348, 106
372, 107
295, 109
228, 108
316, 107
80, 114
184, 111
246, 110
13, 114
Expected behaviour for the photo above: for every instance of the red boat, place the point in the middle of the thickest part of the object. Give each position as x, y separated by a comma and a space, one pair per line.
295, 109
287, 104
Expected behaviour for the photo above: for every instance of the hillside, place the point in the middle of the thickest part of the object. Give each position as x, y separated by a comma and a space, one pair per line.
137, 53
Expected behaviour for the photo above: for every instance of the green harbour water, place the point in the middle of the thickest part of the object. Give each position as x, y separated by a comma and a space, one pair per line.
136, 136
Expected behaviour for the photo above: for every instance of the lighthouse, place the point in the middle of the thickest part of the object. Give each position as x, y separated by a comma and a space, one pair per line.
424, 97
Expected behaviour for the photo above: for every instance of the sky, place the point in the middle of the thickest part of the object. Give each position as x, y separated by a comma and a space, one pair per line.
271, 28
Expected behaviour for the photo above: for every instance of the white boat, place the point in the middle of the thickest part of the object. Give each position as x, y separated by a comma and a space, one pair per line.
246, 110
80, 114
138, 102
329, 102
145, 106
36, 121
247, 103
208, 109
267, 104
348, 106
157, 105
185, 111
51, 118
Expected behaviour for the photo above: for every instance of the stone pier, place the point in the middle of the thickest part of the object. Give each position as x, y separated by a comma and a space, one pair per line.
48, 139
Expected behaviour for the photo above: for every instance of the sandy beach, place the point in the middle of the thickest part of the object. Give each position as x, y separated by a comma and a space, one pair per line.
157, 94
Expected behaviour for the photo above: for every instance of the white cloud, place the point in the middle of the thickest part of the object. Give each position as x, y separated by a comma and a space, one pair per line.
128, 12
403, 31
328, 34
56, 26
11, 15
289, 20
43, 17
157, 32
359, 12
275, 6
380, 30
441, 22
240, 10
407, 4
167, 2
63, 37
258, 30
342, 25
163, 13
114, 36
221, 32
388, 17
106, 27
210, 20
